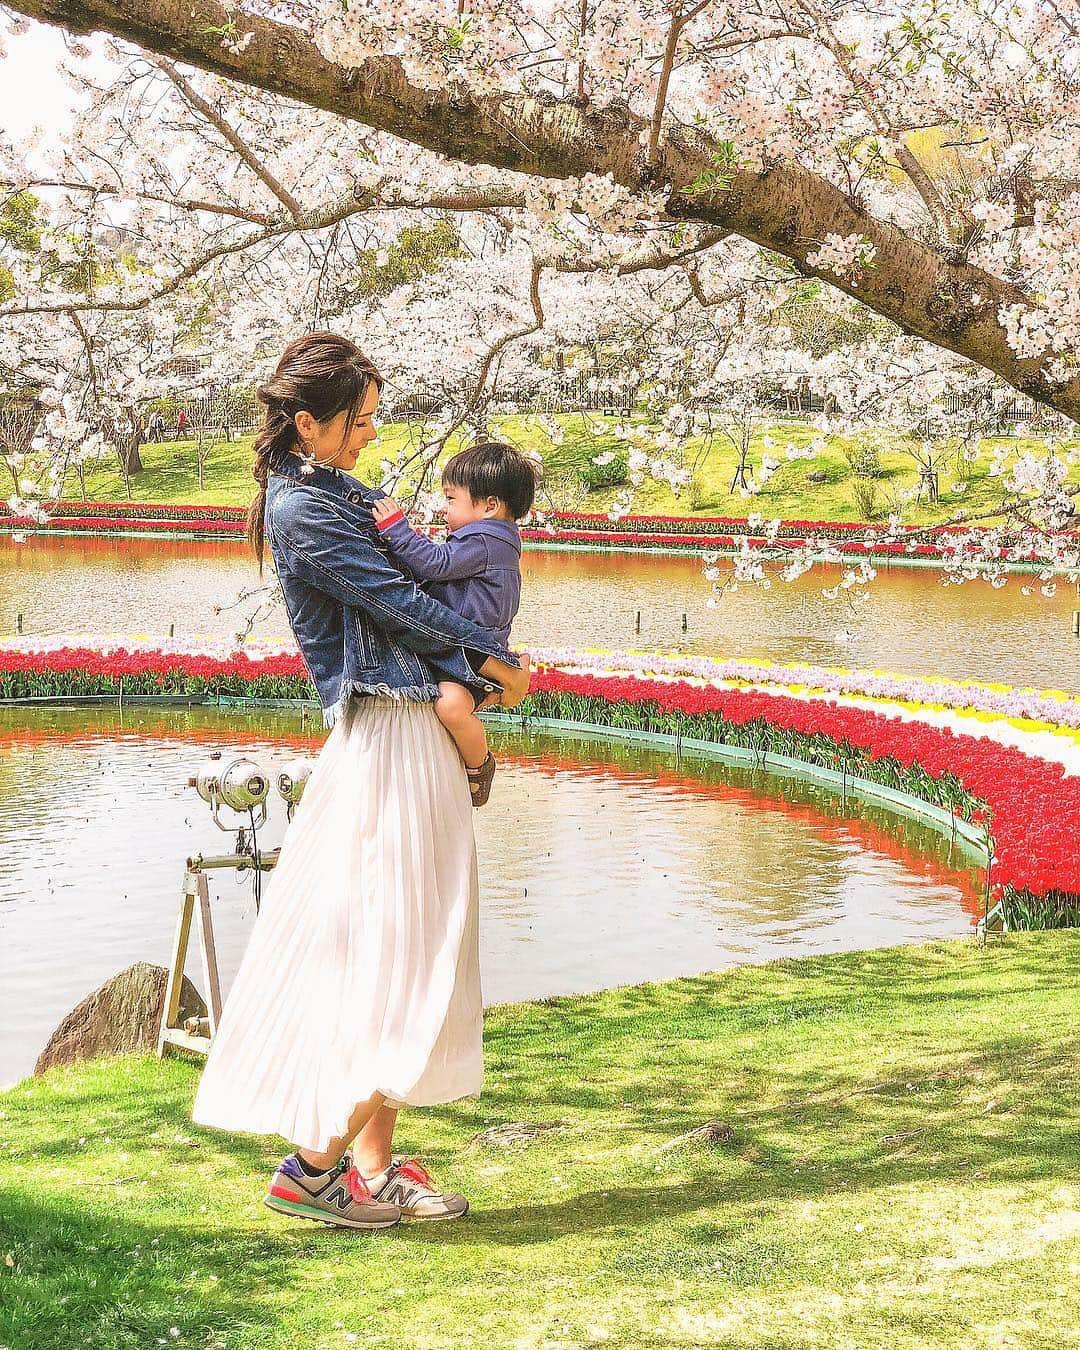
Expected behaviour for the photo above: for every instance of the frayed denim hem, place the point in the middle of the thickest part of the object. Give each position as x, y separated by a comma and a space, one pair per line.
410, 693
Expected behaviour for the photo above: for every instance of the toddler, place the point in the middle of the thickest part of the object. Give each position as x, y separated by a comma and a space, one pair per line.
476, 572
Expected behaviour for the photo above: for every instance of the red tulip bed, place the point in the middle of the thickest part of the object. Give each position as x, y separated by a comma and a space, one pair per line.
1030, 805
580, 529
220, 522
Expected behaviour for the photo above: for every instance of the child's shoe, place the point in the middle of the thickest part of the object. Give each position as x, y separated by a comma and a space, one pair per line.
480, 780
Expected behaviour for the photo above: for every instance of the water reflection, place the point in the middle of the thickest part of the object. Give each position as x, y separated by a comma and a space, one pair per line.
913, 622
600, 863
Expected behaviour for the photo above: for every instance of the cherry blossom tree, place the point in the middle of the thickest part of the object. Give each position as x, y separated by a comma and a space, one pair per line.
785, 123
597, 171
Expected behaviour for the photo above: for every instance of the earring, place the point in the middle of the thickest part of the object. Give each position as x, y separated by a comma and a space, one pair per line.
307, 456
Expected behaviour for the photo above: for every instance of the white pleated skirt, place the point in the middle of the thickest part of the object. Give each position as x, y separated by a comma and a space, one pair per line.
362, 972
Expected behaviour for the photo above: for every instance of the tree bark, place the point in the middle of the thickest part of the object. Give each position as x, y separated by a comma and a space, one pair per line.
785, 208
129, 452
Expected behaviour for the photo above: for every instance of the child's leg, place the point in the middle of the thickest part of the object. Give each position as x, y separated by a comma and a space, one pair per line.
455, 709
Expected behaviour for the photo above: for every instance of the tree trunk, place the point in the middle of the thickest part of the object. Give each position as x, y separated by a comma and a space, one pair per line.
129, 453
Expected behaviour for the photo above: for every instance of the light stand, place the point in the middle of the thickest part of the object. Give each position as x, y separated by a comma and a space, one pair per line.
243, 788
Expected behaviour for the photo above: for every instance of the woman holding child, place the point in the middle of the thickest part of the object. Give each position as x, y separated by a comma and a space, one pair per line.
359, 990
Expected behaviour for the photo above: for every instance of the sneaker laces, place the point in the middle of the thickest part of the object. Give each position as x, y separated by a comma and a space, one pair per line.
357, 1186
353, 1179
416, 1171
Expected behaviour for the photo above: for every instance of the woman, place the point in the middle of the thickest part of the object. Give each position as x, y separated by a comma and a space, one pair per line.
359, 991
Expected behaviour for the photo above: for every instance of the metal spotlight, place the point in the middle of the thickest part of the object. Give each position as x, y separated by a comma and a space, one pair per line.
292, 780
241, 785
245, 786
207, 780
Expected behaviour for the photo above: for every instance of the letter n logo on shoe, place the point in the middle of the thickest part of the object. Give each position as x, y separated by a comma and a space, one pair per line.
339, 1196
397, 1194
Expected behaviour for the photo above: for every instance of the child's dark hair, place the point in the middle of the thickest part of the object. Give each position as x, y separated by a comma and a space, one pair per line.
321, 373
492, 469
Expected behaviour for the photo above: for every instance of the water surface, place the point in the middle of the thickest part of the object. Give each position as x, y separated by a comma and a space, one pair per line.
912, 623
600, 864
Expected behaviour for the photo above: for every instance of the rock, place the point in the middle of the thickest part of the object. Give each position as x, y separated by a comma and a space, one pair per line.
515, 1133
713, 1134
123, 1017
817, 476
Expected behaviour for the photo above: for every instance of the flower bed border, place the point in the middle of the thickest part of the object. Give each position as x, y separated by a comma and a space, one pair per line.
1033, 801
571, 529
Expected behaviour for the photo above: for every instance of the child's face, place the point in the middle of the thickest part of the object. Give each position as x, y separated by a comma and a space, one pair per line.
461, 509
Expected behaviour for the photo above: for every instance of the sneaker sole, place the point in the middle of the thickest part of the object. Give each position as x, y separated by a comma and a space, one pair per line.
433, 1218
321, 1216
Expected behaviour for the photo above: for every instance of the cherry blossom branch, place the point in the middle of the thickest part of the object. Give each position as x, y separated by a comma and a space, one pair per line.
237, 142
581, 58
647, 257
140, 194
868, 97
662, 87
329, 214
678, 23
652, 257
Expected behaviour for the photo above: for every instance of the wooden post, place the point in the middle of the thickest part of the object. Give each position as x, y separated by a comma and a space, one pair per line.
209, 953
195, 905
173, 988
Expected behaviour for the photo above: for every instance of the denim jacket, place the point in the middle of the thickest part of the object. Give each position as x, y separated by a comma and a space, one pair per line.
362, 627
477, 572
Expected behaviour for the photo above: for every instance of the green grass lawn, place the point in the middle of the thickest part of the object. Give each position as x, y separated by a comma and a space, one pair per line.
901, 1171
170, 476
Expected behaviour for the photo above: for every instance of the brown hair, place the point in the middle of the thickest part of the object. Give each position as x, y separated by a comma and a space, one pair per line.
319, 373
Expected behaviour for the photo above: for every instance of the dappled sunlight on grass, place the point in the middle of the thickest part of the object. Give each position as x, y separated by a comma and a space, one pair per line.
896, 1167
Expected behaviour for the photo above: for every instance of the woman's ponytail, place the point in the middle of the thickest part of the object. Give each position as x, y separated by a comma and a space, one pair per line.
275, 438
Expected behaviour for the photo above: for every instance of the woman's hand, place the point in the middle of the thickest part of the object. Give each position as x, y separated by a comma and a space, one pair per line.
514, 682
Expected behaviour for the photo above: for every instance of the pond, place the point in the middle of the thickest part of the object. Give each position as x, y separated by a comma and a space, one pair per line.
600, 864
912, 623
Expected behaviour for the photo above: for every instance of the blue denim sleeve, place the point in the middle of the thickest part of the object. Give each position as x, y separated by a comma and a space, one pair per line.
331, 545
453, 561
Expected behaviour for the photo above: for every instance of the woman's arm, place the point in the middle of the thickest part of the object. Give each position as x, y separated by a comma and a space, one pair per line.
330, 544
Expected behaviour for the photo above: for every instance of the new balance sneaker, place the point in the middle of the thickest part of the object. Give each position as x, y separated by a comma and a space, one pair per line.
339, 1197
409, 1185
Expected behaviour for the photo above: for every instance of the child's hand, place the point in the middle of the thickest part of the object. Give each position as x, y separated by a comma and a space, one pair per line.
384, 508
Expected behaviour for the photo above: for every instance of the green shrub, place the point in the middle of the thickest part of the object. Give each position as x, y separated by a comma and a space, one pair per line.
864, 492
864, 459
597, 477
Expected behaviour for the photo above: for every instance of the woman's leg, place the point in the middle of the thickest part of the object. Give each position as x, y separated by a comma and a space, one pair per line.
407, 1184
359, 1119
455, 709
373, 1149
